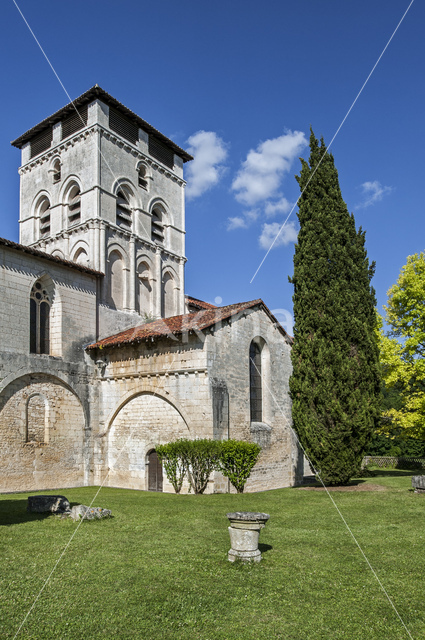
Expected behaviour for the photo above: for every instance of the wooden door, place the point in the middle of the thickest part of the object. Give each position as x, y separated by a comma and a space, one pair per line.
154, 472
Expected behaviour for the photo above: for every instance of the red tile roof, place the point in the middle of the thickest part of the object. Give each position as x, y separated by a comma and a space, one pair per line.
169, 327
200, 304
47, 256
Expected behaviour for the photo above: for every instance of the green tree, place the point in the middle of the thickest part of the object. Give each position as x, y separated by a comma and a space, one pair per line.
403, 349
336, 377
236, 461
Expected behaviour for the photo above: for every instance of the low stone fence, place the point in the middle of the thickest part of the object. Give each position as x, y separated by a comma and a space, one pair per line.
395, 462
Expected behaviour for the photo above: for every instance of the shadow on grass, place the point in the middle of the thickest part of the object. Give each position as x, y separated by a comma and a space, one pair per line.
15, 512
264, 547
388, 473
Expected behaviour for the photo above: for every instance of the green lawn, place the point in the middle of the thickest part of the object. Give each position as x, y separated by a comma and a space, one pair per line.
159, 568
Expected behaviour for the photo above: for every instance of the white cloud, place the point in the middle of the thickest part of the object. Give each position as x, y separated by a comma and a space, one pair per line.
261, 173
281, 206
273, 232
373, 192
244, 221
205, 170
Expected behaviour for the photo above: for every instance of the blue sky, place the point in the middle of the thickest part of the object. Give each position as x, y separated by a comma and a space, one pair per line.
238, 84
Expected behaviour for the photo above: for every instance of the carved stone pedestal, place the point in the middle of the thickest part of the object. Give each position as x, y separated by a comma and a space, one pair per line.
244, 530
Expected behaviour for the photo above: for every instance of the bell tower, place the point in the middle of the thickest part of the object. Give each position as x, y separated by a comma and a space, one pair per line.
102, 187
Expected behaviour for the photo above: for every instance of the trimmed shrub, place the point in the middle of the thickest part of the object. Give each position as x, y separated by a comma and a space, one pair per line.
170, 455
201, 459
236, 461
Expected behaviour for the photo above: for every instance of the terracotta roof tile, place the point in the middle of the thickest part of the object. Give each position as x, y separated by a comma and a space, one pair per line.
195, 302
169, 327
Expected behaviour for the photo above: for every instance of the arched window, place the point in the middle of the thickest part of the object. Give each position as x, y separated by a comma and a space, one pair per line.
56, 170
116, 283
43, 211
74, 205
168, 297
142, 172
157, 226
144, 289
255, 383
39, 319
124, 210
36, 419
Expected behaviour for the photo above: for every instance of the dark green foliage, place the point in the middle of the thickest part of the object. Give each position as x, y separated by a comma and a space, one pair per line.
172, 460
398, 446
336, 381
195, 459
236, 461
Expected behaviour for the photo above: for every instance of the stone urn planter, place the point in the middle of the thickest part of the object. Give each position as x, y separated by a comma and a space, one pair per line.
244, 530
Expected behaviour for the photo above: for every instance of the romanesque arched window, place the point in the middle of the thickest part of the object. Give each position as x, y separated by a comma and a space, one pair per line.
56, 170
74, 205
39, 319
142, 173
123, 209
255, 383
157, 226
43, 212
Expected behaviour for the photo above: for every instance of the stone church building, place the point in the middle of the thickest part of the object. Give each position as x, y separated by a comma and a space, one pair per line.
102, 355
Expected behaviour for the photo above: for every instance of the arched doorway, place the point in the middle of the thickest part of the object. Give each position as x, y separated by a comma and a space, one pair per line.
154, 472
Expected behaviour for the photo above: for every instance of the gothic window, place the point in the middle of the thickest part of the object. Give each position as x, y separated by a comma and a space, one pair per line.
144, 289
157, 226
74, 205
44, 217
116, 266
142, 177
39, 319
255, 383
124, 217
168, 297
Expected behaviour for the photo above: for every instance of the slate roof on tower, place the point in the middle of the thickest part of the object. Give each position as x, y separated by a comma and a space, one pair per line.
89, 96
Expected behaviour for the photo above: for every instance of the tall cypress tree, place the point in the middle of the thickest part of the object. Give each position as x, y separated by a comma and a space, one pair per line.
335, 381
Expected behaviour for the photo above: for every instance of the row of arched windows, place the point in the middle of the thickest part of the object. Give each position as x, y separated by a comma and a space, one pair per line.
144, 287
72, 201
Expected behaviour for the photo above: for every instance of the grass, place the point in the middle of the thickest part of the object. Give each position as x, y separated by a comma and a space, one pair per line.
159, 570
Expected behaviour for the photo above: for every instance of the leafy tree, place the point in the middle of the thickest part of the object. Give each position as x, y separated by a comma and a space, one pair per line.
336, 378
236, 461
403, 350
170, 455
200, 459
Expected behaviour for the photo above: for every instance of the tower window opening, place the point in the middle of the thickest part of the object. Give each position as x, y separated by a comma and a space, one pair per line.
142, 177
74, 204
44, 215
57, 171
157, 227
124, 218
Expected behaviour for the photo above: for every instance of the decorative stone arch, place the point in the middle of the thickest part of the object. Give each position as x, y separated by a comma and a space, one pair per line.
144, 285
58, 254
141, 421
38, 409
169, 292
80, 253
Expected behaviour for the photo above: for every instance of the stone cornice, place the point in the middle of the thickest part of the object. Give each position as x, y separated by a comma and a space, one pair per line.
174, 373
